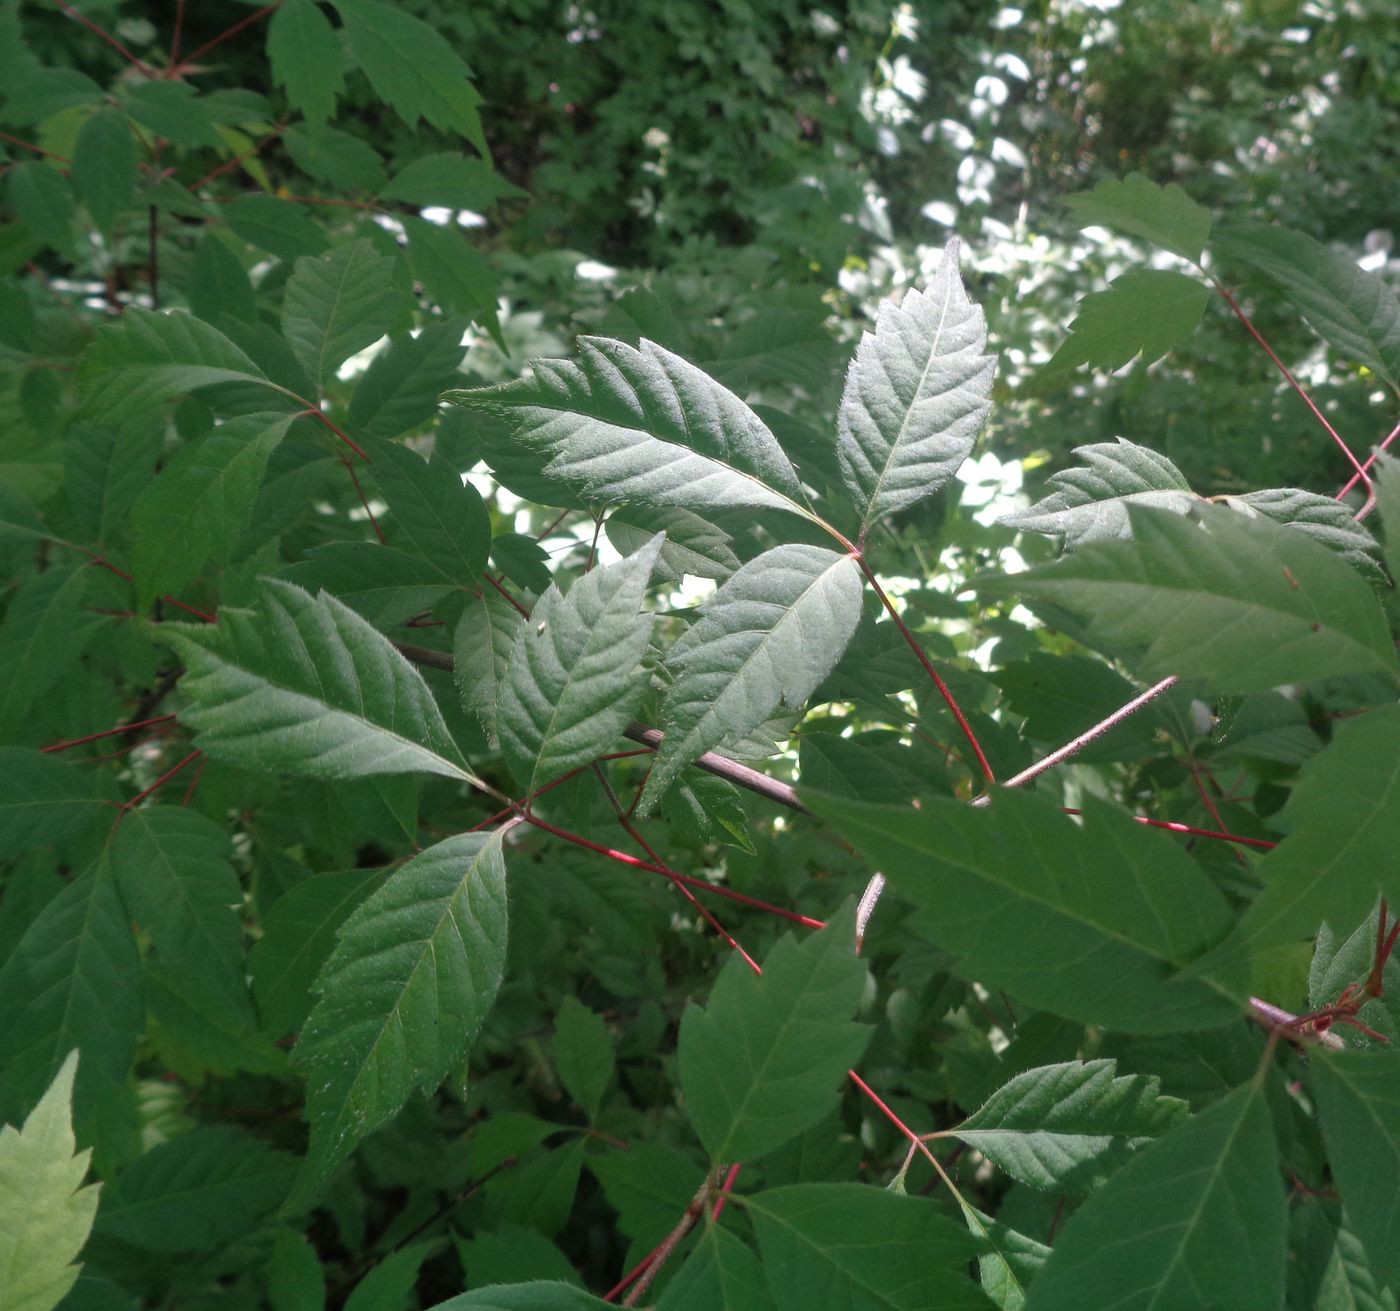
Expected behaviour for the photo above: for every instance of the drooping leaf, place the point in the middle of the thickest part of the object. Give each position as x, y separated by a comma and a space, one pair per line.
482, 644
73, 981
336, 304
863, 1248
1354, 310
199, 507
1323, 518
45, 1211
1252, 604
1145, 312
434, 513
1097, 895
305, 686
1010, 1261
149, 357
104, 167
1135, 205
765, 1059
522, 560
916, 395
196, 1192
1067, 1127
1345, 818
412, 67
1090, 503
583, 1054
400, 389
762, 644
1358, 1097
306, 60
413, 974
42, 800
1198, 1215
642, 425
572, 681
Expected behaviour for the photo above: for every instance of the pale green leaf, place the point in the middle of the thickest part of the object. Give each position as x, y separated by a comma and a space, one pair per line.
1091, 921
853, 1247
916, 395
1252, 604
1322, 518
1089, 503
149, 357
197, 1192
1196, 1219
298, 934
1165, 216
303, 685
412, 976
583, 1055
574, 679
433, 512
693, 545
45, 1212
412, 67
400, 389
766, 1057
336, 304
199, 506
1067, 1127
306, 59
1358, 1096
1344, 814
1145, 312
640, 424
104, 167
1354, 310
42, 800
482, 644
762, 644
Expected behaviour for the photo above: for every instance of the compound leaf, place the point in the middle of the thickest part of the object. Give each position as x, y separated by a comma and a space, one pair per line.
916, 395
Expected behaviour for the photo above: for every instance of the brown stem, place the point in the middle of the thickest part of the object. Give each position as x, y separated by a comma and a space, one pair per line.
106, 37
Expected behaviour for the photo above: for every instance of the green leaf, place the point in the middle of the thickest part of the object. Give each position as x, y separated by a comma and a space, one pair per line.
336, 304
412, 976
389, 1283
1145, 312
149, 357
1252, 605
104, 167
73, 981
276, 226
45, 1212
174, 111
693, 545
1358, 1095
851, 1247
1165, 216
347, 163
762, 644
583, 1055
298, 934
1355, 311
42, 800
1092, 921
200, 505
1009, 1264
766, 1057
522, 560
1199, 1216
19, 520
1067, 1127
413, 68
386, 586
42, 637
454, 273
197, 1192
296, 1280
1322, 518
573, 679
437, 515
642, 425
452, 180
399, 391
1090, 504
536, 1295
1344, 815
1388, 494
916, 395
482, 644
303, 685
219, 284
721, 1271
43, 200
306, 59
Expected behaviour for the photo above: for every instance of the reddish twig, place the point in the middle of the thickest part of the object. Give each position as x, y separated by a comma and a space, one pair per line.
107, 38
500, 587
1173, 826
360, 492
315, 412
229, 164
160, 782
107, 732
223, 36
177, 33
38, 150
104, 563
1366, 469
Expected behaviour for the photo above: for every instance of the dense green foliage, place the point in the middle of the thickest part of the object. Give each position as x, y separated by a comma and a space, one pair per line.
546, 759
